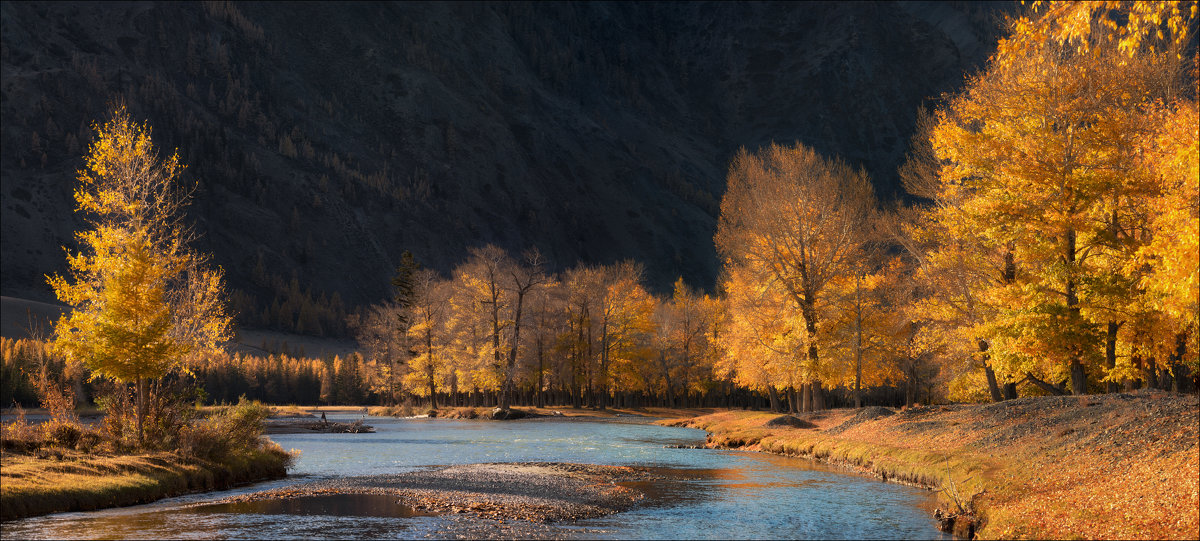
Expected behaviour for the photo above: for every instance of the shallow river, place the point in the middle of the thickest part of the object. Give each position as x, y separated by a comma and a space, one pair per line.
719, 494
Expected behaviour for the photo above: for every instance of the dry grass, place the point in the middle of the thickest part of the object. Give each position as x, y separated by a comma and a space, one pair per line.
1115, 466
391, 411
291, 410
62, 465
666, 413
56, 480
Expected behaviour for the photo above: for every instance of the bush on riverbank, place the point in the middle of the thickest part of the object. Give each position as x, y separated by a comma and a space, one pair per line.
53, 480
1100, 466
392, 411
64, 465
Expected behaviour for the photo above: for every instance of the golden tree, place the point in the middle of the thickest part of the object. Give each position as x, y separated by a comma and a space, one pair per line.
428, 314
796, 219
1042, 158
143, 301
622, 313
763, 343
955, 266
1173, 253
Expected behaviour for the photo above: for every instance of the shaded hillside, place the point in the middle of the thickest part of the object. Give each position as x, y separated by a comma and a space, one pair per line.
329, 138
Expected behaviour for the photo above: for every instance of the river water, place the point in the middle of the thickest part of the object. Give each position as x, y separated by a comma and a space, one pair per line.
714, 494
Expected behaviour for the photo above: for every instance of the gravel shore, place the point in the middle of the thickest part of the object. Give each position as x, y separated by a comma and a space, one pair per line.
535, 492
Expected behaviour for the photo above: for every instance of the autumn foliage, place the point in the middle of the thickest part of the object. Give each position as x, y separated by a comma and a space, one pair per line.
1050, 248
143, 302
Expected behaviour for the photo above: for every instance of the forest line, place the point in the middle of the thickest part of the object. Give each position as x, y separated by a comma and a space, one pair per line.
1052, 249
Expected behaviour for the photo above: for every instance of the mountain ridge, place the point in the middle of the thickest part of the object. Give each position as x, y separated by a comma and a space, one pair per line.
327, 139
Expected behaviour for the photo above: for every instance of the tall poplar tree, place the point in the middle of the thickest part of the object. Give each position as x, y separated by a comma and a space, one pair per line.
797, 218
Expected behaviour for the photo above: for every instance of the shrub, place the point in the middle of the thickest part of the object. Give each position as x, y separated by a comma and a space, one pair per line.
64, 434
170, 408
235, 431
18, 434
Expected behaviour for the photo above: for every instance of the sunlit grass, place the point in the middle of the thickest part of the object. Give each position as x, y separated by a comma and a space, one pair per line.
53, 480
1101, 467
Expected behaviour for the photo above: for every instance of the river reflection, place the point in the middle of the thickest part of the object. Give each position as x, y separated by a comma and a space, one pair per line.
705, 494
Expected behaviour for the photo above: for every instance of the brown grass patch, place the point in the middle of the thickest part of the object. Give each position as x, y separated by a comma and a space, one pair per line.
51, 481
1111, 466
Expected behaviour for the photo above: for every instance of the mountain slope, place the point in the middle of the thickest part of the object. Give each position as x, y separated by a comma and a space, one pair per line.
329, 138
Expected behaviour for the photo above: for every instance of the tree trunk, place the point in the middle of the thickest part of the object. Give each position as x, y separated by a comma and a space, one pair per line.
1181, 375
858, 341
1078, 378
538, 399
806, 403
818, 395
143, 389
993, 388
429, 368
1179, 372
1052, 389
1078, 375
506, 396
1110, 353
774, 396
1010, 391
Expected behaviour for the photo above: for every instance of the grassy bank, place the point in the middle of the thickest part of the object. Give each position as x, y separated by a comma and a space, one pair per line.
61, 464
57, 480
1107, 466
548, 411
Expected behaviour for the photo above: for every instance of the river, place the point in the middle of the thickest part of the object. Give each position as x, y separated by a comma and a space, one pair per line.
714, 494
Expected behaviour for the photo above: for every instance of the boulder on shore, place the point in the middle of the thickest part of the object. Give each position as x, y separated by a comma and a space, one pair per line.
499, 414
790, 421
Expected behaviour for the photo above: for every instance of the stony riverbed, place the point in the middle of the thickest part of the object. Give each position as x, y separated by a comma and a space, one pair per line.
535, 492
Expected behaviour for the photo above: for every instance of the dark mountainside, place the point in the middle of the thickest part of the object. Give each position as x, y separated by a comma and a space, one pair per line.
328, 138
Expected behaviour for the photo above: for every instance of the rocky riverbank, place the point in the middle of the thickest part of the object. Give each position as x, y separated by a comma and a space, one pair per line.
535, 492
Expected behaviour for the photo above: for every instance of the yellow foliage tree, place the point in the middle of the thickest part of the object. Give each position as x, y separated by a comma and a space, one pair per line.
622, 315
1042, 157
763, 344
428, 314
795, 219
1173, 253
143, 302
955, 266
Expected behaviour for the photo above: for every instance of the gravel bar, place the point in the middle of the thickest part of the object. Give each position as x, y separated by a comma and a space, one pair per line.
532, 491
